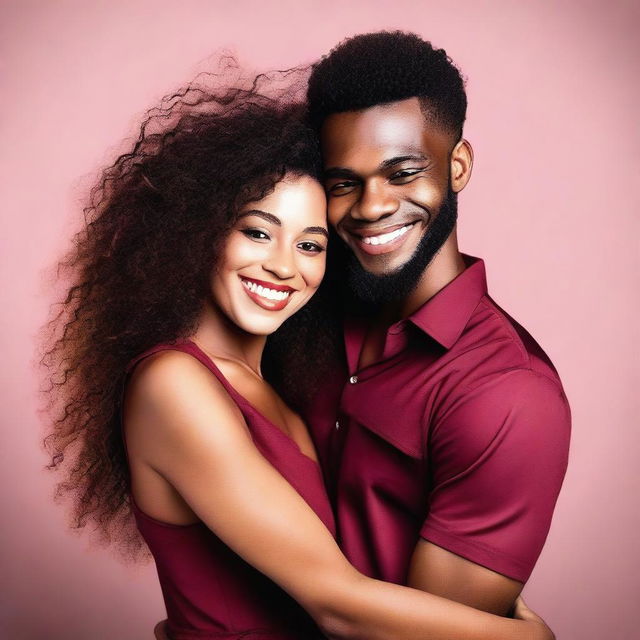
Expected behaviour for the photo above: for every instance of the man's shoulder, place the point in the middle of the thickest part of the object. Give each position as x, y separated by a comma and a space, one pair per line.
497, 375
494, 344
501, 382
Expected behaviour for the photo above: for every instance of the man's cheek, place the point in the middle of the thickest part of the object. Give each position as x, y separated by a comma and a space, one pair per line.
335, 213
427, 195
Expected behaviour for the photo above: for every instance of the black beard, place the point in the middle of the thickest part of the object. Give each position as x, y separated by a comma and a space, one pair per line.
371, 291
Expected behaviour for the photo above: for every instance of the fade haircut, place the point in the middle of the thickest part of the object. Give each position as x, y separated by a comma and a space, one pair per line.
387, 66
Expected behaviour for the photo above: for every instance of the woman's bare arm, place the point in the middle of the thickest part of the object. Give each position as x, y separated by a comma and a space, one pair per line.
183, 423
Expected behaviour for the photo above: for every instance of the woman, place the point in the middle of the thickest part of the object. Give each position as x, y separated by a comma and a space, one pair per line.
200, 243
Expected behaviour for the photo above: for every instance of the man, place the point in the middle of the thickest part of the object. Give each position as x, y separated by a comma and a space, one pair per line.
452, 430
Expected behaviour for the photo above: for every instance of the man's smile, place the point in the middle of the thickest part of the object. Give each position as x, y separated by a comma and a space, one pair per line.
380, 240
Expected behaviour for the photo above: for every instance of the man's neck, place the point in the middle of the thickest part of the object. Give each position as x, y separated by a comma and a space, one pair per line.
447, 265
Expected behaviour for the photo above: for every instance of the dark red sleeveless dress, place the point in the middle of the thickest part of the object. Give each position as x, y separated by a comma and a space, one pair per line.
209, 591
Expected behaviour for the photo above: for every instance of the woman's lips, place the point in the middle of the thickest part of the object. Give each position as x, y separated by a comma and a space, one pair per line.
383, 242
268, 295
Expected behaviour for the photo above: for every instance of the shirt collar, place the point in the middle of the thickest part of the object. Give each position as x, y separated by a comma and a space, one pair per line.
445, 315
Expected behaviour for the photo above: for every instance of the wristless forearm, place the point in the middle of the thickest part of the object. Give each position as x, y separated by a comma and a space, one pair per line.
374, 610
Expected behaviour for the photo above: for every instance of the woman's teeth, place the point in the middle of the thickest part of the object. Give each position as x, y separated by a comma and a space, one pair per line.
386, 237
269, 294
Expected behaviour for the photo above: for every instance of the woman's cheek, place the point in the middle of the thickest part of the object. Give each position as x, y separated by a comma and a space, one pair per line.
241, 252
315, 272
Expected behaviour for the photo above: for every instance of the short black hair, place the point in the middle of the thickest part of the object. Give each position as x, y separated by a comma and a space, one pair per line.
387, 66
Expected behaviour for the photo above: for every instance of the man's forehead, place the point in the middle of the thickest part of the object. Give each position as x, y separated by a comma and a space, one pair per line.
380, 132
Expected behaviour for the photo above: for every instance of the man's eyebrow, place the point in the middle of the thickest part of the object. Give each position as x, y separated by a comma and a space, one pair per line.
420, 157
320, 230
269, 217
339, 172
344, 172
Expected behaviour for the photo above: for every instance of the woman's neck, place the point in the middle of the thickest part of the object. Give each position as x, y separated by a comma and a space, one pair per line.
219, 337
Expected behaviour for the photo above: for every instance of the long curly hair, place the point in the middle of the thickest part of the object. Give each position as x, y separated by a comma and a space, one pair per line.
138, 270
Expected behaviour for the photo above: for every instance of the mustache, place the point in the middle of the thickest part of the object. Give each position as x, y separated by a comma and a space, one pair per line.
394, 220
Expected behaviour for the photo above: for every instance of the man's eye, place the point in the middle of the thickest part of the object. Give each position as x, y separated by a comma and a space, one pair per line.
311, 247
404, 175
341, 188
255, 234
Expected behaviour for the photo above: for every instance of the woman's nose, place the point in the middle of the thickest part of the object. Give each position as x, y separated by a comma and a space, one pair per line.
281, 263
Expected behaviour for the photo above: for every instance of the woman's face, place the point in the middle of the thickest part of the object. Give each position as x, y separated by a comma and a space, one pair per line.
274, 257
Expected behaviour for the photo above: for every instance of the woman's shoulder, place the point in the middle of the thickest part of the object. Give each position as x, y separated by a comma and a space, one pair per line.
162, 364
171, 387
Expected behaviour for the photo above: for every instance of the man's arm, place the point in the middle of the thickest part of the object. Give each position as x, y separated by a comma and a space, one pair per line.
181, 422
498, 461
446, 574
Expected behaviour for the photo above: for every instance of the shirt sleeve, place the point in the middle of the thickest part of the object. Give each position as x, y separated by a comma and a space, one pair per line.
498, 458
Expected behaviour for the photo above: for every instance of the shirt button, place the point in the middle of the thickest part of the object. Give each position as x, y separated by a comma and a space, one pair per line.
353, 379
337, 425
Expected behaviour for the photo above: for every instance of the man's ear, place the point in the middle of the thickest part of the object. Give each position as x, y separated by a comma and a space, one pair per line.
461, 165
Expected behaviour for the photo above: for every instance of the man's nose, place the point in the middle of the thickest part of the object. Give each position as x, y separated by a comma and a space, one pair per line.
376, 201
280, 262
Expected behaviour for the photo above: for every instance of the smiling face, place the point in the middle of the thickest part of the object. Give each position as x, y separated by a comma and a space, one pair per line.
390, 174
274, 256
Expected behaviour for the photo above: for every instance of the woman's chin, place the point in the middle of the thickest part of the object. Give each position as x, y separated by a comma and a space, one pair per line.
263, 322
260, 326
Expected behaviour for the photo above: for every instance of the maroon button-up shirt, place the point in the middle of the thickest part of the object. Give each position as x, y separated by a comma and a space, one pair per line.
459, 435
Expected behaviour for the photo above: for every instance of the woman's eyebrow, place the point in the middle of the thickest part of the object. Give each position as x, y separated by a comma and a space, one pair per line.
321, 230
269, 217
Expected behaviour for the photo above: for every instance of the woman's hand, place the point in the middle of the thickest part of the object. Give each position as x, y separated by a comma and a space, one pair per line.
522, 612
160, 631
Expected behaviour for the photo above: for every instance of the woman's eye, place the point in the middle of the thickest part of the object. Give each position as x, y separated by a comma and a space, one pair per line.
311, 247
255, 234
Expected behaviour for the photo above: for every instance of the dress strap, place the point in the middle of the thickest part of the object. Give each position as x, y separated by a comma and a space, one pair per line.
187, 346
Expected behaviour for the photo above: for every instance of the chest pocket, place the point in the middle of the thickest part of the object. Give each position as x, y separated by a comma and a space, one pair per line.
394, 411
383, 464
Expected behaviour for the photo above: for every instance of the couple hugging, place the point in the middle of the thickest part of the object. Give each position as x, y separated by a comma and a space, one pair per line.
275, 366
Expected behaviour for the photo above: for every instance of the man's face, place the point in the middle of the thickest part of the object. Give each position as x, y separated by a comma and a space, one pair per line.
387, 182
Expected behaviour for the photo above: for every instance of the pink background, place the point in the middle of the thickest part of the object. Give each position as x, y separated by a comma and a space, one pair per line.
552, 207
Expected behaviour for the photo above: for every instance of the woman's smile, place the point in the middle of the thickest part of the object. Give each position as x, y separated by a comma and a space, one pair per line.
274, 257
270, 296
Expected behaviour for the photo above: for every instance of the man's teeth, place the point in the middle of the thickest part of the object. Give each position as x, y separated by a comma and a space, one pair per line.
270, 294
386, 237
